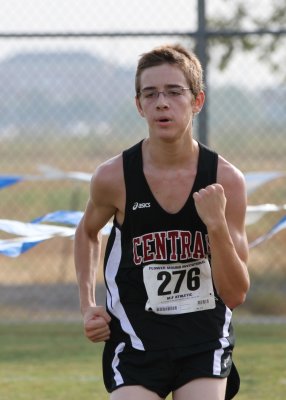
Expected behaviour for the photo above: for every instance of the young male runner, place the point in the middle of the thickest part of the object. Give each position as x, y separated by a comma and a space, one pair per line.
175, 262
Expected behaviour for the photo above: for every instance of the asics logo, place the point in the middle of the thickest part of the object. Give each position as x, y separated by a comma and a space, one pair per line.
226, 362
140, 205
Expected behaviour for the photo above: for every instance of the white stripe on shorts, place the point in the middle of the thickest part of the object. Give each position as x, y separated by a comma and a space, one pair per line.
218, 355
115, 362
224, 343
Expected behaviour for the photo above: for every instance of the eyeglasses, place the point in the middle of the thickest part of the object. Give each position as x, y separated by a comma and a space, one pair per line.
172, 92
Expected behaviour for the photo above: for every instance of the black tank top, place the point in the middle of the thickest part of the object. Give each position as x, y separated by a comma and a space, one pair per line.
154, 239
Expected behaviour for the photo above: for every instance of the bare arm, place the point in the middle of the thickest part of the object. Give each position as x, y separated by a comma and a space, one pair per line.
222, 207
100, 208
87, 248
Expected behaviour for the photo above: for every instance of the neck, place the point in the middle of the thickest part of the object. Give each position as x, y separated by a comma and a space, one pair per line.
170, 153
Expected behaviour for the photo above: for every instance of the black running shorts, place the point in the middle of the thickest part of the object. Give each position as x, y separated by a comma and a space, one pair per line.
165, 371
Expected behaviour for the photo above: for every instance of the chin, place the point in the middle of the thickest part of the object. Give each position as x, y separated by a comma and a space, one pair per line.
169, 137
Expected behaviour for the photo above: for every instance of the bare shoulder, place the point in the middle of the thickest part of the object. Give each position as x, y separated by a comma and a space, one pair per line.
231, 178
107, 181
109, 171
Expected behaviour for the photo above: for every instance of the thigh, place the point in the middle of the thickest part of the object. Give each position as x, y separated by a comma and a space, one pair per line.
134, 392
202, 388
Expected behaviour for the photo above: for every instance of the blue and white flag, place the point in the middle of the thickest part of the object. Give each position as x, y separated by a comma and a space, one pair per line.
259, 178
276, 228
17, 246
33, 233
48, 173
254, 180
8, 180
61, 217
255, 213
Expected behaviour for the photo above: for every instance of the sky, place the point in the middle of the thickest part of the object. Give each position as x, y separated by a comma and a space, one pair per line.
92, 16
106, 15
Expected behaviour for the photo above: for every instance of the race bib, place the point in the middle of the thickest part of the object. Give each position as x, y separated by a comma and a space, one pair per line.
179, 288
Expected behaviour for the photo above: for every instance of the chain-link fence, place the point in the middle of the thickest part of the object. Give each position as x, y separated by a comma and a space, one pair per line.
67, 104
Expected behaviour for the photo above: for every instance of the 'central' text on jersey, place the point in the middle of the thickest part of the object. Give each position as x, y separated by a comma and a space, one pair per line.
175, 245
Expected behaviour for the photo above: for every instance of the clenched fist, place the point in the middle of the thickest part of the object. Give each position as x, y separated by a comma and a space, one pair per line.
96, 324
210, 203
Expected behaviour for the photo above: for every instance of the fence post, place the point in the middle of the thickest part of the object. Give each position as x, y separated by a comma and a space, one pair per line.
201, 50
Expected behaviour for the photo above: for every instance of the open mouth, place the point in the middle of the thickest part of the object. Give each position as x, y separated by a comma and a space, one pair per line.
163, 120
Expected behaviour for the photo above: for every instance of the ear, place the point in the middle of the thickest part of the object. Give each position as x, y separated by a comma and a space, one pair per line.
139, 107
198, 102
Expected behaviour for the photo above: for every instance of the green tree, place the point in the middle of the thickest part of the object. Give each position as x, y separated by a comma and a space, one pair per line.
271, 23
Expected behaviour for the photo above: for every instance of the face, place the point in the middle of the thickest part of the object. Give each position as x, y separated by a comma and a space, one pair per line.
169, 115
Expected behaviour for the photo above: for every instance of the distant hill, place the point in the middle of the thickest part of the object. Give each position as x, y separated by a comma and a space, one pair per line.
70, 91
58, 89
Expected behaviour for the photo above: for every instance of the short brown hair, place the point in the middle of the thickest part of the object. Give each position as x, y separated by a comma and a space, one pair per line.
174, 55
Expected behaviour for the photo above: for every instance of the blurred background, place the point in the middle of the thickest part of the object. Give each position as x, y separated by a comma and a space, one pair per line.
67, 104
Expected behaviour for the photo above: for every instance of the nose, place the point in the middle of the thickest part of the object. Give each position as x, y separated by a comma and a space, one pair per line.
161, 100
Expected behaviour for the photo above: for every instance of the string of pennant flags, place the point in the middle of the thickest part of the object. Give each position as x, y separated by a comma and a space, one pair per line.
48, 173
253, 179
35, 232
39, 229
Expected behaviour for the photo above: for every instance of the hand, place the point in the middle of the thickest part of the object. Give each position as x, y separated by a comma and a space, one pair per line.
210, 203
96, 324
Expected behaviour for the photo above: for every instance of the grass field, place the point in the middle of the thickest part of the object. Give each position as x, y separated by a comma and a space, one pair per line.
56, 362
